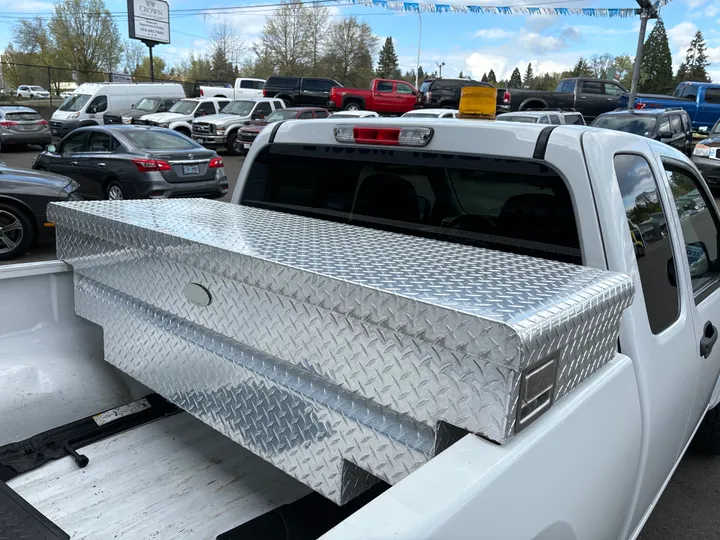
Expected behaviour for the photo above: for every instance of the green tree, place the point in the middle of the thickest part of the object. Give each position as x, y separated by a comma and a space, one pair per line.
696, 60
656, 73
682, 73
351, 47
142, 72
196, 68
491, 77
581, 69
284, 41
388, 61
421, 74
600, 64
460, 75
484, 78
624, 65
528, 78
515, 79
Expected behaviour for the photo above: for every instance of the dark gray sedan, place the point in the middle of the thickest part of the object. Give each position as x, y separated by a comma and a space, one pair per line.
135, 162
22, 125
24, 196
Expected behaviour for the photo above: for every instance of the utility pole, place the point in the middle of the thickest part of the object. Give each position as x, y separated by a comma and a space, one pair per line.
647, 11
417, 67
440, 66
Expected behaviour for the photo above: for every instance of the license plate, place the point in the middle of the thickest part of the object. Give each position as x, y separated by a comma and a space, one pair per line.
191, 169
246, 146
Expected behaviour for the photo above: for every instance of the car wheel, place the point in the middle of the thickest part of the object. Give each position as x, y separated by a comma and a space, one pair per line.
114, 192
287, 101
231, 144
352, 106
16, 232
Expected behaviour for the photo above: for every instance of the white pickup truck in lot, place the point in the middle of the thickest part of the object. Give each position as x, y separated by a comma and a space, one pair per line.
444, 328
243, 89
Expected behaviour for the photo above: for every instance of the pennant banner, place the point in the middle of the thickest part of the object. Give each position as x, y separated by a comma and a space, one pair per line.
501, 10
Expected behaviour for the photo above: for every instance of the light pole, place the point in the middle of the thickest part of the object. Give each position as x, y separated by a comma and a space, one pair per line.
647, 11
417, 67
440, 66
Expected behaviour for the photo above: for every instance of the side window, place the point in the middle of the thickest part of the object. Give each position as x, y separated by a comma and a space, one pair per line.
263, 108
206, 107
676, 124
712, 95
699, 229
403, 88
647, 227
258, 85
326, 85
592, 87
613, 89
384, 86
305, 115
166, 104
102, 142
574, 119
543, 120
74, 144
689, 92
247, 84
321, 114
99, 104
221, 105
664, 125
554, 119
567, 86
685, 122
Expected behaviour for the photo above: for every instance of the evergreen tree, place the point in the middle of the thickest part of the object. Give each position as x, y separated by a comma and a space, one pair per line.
421, 74
656, 70
515, 79
696, 60
388, 61
581, 69
491, 77
484, 78
528, 79
461, 76
682, 73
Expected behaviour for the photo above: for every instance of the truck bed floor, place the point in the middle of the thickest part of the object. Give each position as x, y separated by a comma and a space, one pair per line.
173, 478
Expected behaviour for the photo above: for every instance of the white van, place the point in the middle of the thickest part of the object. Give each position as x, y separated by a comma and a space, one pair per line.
92, 100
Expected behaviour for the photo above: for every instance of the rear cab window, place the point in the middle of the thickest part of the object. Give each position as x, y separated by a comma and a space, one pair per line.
511, 205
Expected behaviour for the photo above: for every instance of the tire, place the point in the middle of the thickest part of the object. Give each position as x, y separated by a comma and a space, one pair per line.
16, 232
707, 437
287, 101
231, 144
184, 132
352, 106
113, 192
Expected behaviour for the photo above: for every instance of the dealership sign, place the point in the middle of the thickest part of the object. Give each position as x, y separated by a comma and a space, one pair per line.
149, 20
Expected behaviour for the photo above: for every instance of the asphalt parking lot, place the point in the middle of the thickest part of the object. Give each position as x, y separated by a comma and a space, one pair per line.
688, 508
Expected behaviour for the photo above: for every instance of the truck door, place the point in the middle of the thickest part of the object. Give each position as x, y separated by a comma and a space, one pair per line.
699, 224
591, 100
708, 108
384, 97
404, 98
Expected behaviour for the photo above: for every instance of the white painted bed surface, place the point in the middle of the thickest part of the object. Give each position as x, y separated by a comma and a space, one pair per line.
175, 478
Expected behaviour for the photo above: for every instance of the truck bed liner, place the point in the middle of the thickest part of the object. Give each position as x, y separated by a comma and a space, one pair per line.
173, 478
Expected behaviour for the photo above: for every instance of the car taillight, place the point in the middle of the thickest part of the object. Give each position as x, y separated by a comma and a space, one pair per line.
640, 105
385, 136
201, 92
216, 163
149, 165
264, 93
506, 97
43, 123
8, 124
428, 95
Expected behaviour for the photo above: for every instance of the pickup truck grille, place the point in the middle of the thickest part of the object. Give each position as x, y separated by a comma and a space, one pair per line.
248, 136
203, 128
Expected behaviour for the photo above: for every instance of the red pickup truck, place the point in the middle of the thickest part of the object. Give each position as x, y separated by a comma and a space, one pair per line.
385, 96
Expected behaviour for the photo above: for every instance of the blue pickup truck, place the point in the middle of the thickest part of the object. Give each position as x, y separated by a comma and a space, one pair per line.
700, 100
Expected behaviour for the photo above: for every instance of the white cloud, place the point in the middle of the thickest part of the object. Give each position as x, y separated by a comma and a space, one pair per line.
711, 11
692, 4
493, 33
541, 44
682, 34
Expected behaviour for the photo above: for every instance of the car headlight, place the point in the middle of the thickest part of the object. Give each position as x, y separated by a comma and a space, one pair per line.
163, 124
220, 130
74, 115
127, 119
701, 150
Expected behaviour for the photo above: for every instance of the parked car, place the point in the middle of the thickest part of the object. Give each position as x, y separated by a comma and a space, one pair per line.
22, 125
300, 91
432, 113
66, 94
543, 117
218, 84
355, 114
706, 158
135, 162
671, 126
181, 115
147, 105
243, 89
700, 100
24, 196
587, 95
221, 130
445, 94
385, 96
32, 92
246, 135
92, 100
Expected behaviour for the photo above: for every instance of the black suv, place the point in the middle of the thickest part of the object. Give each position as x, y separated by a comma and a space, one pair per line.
671, 126
300, 91
445, 94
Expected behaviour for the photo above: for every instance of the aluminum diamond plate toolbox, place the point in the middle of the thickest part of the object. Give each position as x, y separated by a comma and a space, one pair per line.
338, 353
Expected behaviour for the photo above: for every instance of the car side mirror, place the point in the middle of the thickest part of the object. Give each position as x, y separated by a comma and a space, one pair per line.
132, 106
665, 135
199, 113
51, 148
698, 258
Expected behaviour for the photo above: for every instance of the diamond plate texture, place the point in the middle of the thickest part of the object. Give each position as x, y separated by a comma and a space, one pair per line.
338, 353
19, 520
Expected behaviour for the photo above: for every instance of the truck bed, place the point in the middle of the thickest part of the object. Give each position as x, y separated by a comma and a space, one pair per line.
172, 478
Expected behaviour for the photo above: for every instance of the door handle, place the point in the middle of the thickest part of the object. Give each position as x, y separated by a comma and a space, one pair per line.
73, 163
710, 336
609, 99
583, 97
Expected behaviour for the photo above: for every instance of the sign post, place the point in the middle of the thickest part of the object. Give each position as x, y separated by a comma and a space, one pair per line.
647, 10
149, 22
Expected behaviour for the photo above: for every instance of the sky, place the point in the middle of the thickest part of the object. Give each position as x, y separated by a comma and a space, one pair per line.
468, 42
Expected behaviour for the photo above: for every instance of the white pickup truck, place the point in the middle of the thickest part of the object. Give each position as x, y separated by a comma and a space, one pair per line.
590, 463
244, 89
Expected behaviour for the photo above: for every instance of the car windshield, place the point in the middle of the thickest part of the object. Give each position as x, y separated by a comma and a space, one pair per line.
523, 119
184, 107
75, 103
241, 108
146, 139
421, 115
38, 88
631, 124
281, 115
716, 129
146, 104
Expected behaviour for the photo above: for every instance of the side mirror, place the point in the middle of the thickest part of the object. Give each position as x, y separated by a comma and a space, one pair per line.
665, 135
132, 106
51, 148
414, 92
698, 258
199, 113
